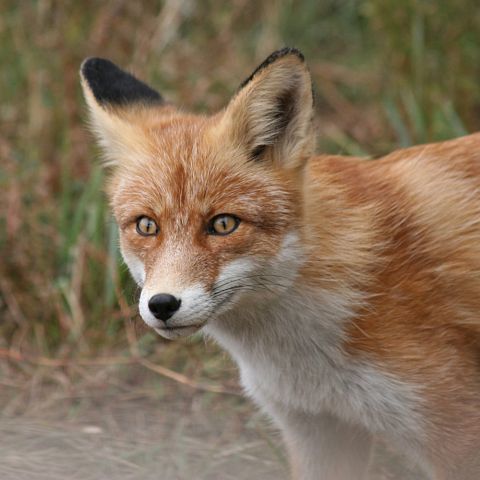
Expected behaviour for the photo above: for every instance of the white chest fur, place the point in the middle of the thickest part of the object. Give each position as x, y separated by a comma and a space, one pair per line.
291, 360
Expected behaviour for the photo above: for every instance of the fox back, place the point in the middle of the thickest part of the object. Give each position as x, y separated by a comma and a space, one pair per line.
347, 290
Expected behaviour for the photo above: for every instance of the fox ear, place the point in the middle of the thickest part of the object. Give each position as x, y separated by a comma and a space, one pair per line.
271, 114
113, 95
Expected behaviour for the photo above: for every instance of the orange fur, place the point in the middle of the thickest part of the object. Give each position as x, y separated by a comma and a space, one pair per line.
411, 240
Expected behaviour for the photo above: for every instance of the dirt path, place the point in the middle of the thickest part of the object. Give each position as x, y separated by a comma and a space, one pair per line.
152, 430
124, 423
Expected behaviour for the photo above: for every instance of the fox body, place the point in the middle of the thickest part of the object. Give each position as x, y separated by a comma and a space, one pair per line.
348, 291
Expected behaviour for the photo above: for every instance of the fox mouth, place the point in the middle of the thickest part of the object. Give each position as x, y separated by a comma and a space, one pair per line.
180, 327
178, 331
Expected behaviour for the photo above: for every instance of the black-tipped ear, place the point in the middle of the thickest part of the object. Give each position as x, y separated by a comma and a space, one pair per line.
271, 114
113, 86
273, 57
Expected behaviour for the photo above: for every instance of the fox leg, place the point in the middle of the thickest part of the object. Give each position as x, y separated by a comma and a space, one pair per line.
325, 448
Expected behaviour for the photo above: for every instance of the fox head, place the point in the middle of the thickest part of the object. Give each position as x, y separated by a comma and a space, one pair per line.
209, 208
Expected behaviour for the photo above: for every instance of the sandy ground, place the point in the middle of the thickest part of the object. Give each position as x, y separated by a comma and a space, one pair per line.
153, 429
31, 449
123, 424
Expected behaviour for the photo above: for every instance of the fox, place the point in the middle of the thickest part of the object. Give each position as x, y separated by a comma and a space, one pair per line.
347, 290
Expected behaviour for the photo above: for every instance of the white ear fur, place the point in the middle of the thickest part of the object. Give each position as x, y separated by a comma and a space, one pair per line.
115, 98
106, 126
273, 111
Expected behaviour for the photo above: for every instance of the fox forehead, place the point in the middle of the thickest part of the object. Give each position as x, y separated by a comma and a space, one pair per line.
186, 171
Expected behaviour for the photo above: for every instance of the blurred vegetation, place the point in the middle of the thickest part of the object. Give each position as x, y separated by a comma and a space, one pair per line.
387, 73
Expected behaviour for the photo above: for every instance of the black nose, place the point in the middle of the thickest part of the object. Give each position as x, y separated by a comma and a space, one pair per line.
163, 305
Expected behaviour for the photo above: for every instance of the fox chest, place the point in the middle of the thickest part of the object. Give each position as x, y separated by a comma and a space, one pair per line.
287, 374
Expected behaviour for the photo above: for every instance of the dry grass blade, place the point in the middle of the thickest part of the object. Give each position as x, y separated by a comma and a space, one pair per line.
116, 360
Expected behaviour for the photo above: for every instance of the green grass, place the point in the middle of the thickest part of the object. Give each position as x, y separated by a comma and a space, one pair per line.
386, 73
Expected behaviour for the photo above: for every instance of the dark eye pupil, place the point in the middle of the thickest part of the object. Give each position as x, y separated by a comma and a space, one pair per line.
223, 224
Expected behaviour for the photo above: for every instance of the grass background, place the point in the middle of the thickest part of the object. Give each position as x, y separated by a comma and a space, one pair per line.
387, 73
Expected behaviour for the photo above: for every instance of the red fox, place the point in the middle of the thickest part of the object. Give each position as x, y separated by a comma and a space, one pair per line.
347, 290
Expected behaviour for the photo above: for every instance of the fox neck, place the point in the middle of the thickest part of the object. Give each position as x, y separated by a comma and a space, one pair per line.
293, 321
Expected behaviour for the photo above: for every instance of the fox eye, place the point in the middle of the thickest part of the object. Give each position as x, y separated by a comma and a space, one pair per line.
223, 224
146, 226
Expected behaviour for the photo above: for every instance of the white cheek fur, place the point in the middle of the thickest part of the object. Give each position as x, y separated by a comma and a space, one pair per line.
266, 276
234, 272
135, 265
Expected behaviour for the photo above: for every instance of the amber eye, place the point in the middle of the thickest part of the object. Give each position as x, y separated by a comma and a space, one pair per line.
146, 226
223, 224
